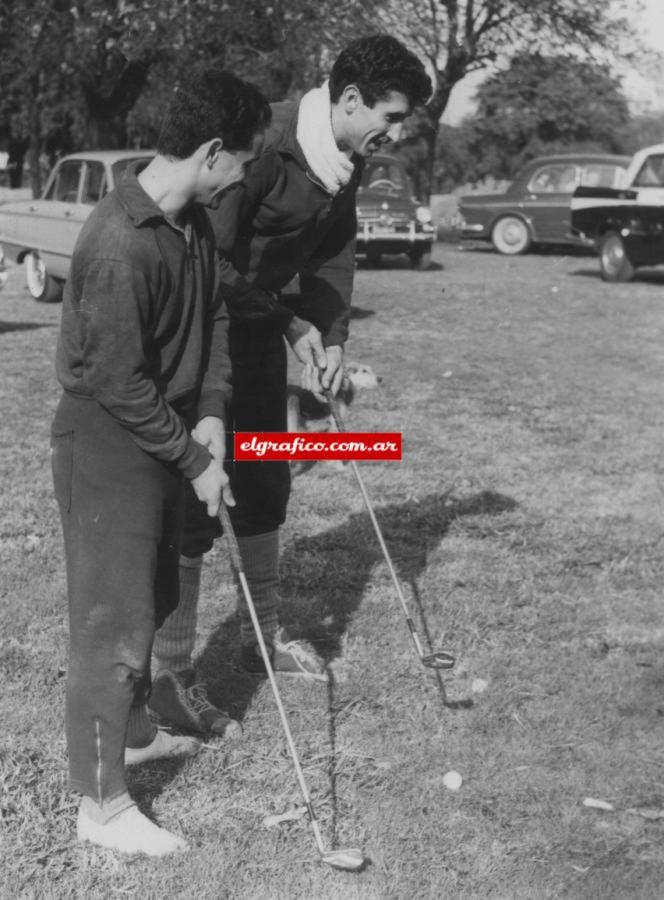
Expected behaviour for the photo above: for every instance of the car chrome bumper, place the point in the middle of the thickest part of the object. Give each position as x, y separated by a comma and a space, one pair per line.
369, 231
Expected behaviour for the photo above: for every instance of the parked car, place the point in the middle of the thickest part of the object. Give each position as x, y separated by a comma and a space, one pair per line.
535, 208
41, 233
389, 218
626, 226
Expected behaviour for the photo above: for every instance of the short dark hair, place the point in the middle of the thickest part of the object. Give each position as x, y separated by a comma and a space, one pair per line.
378, 65
212, 103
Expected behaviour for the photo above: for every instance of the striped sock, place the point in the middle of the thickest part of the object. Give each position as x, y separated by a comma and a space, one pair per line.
174, 642
260, 560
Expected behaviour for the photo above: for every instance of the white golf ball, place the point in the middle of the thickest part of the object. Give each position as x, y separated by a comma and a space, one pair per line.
479, 685
452, 780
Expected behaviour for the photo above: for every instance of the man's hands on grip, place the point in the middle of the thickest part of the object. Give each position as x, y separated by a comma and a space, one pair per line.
213, 482
323, 368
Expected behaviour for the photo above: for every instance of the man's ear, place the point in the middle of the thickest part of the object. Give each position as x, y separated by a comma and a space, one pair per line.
213, 148
351, 97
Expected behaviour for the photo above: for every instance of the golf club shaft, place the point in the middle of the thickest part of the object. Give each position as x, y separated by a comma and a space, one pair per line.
374, 521
236, 560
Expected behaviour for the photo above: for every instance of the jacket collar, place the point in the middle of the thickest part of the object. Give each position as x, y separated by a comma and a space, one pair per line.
140, 207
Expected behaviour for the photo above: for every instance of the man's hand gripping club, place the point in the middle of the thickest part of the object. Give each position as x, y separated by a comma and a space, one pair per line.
213, 482
323, 368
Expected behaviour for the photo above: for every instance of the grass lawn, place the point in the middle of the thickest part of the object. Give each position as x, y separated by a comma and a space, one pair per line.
526, 522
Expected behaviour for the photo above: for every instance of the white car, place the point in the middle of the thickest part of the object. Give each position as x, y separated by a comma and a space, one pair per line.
42, 233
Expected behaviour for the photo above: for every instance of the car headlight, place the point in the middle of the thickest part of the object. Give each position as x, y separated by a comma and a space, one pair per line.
423, 215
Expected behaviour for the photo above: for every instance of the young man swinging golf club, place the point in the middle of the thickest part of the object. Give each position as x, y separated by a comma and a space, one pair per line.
142, 357
294, 215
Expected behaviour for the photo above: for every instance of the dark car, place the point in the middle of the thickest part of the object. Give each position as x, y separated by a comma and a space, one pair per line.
389, 219
625, 226
535, 209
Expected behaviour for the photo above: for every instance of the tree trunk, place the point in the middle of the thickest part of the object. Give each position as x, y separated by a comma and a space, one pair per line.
35, 137
109, 99
430, 137
17, 151
107, 133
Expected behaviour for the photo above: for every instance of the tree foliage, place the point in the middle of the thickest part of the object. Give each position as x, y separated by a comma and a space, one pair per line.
458, 37
544, 104
283, 46
72, 71
96, 73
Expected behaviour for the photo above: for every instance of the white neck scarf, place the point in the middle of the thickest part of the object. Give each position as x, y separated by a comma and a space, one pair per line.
315, 136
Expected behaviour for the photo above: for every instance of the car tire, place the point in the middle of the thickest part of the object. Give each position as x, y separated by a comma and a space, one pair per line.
511, 236
614, 264
41, 285
373, 257
420, 259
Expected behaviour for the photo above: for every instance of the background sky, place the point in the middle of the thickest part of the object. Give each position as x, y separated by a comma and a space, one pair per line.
642, 86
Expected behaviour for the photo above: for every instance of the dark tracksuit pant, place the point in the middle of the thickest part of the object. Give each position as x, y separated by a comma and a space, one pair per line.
121, 512
260, 489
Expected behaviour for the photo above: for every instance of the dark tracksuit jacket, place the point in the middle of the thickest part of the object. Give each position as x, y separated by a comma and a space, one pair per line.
278, 224
142, 354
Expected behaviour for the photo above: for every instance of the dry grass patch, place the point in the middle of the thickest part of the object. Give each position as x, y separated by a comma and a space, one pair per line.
526, 524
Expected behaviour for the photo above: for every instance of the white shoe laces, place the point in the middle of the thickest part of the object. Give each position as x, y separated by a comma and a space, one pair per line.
303, 656
196, 697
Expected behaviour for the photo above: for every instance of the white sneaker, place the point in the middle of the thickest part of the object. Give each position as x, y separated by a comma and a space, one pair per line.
129, 832
287, 656
164, 746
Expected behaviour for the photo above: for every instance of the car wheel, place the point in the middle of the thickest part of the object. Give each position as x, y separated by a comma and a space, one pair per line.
420, 258
373, 257
614, 263
511, 235
41, 285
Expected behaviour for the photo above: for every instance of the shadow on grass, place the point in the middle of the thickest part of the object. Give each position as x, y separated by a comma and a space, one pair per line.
324, 578
642, 276
474, 246
146, 783
7, 327
356, 312
397, 261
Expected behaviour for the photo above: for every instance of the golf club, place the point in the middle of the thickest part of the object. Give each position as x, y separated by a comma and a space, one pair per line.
349, 859
440, 659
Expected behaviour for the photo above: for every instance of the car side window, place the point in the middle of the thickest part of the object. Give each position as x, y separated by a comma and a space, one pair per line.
601, 175
554, 180
95, 185
64, 187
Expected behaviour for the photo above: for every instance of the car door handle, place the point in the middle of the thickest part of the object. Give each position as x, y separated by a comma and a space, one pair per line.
68, 213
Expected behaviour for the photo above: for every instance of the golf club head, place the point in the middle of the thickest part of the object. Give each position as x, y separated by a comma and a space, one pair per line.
351, 859
441, 659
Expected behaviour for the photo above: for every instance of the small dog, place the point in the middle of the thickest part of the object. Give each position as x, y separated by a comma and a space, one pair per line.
306, 413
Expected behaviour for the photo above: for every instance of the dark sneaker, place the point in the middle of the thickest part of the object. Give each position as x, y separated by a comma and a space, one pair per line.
289, 657
177, 699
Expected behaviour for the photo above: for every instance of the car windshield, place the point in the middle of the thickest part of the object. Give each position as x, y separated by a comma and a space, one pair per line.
120, 166
384, 177
651, 173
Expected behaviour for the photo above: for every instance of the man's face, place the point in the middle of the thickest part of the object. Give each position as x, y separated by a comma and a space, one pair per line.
227, 169
369, 127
